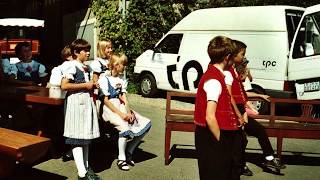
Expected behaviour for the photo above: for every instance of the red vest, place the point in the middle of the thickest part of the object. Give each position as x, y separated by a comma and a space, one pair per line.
238, 93
224, 113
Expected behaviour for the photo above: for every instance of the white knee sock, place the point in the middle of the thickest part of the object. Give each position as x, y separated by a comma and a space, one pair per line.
86, 156
122, 142
78, 159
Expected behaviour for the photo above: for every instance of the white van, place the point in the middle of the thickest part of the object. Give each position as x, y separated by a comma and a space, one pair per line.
283, 50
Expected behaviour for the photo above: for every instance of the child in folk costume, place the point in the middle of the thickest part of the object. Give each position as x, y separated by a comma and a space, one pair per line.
100, 64
132, 126
217, 135
81, 122
239, 98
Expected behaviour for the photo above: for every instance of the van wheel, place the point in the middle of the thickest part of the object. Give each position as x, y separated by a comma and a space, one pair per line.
263, 107
148, 87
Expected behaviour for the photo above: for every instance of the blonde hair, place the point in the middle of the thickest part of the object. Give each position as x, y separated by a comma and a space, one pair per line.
118, 59
101, 46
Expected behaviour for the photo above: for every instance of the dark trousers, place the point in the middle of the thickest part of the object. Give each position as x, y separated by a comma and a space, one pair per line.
218, 159
254, 128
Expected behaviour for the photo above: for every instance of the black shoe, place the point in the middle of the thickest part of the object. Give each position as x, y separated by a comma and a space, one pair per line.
130, 162
246, 171
67, 157
92, 174
275, 163
89, 176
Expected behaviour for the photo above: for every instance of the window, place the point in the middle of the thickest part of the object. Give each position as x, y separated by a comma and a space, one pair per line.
169, 44
292, 18
308, 37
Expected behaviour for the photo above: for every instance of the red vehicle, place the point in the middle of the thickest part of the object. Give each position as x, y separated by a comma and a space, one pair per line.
15, 30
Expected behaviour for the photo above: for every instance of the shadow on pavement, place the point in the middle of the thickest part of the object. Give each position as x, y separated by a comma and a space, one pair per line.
140, 155
105, 150
27, 172
294, 158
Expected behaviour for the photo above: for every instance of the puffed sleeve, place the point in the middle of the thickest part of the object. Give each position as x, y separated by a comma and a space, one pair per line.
13, 69
95, 66
6, 65
69, 70
104, 87
42, 70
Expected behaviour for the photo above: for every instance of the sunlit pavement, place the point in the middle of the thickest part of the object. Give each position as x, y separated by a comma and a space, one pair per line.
302, 157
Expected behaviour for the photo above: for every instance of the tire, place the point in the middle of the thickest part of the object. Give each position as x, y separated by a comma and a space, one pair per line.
263, 107
147, 86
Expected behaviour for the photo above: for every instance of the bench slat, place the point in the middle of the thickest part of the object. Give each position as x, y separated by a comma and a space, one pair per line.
180, 118
23, 147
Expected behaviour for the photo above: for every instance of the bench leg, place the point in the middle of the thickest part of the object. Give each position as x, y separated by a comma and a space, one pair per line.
279, 146
167, 145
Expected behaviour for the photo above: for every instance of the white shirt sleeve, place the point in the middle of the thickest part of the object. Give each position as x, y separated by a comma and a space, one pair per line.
247, 84
213, 89
69, 71
95, 66
228, 79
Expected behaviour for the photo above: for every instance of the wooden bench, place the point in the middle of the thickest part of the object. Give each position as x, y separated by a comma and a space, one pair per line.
281, 126
176, 120
302, 127
20, 147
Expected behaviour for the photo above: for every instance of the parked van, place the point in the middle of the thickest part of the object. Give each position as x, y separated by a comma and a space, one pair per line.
283, 50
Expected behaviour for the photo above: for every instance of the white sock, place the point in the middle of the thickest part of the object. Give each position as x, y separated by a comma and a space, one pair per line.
122, 143
86, 156
269, 158
78, 159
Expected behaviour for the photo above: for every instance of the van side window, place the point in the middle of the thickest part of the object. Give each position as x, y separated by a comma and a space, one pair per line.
308, 37
169, 44
293, 18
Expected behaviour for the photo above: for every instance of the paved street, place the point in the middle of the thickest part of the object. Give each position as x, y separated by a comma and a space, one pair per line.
302, 157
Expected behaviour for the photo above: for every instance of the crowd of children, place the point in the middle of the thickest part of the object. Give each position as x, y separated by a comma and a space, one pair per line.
221, 106
221, 115
100, 85
105, 74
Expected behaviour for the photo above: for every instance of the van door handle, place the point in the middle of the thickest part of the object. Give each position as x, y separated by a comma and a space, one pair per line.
178, 58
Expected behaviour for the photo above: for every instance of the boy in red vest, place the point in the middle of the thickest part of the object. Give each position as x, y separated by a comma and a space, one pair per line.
217, 133
239, 101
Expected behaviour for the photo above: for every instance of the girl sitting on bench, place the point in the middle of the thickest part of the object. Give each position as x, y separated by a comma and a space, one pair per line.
132, 126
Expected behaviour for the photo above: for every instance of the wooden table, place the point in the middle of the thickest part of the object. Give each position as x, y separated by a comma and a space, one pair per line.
31, 94
22, 147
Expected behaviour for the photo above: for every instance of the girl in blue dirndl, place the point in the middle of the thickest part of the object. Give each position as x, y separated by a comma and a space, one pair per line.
132, 126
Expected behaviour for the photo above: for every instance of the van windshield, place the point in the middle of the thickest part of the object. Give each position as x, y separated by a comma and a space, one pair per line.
308, 37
